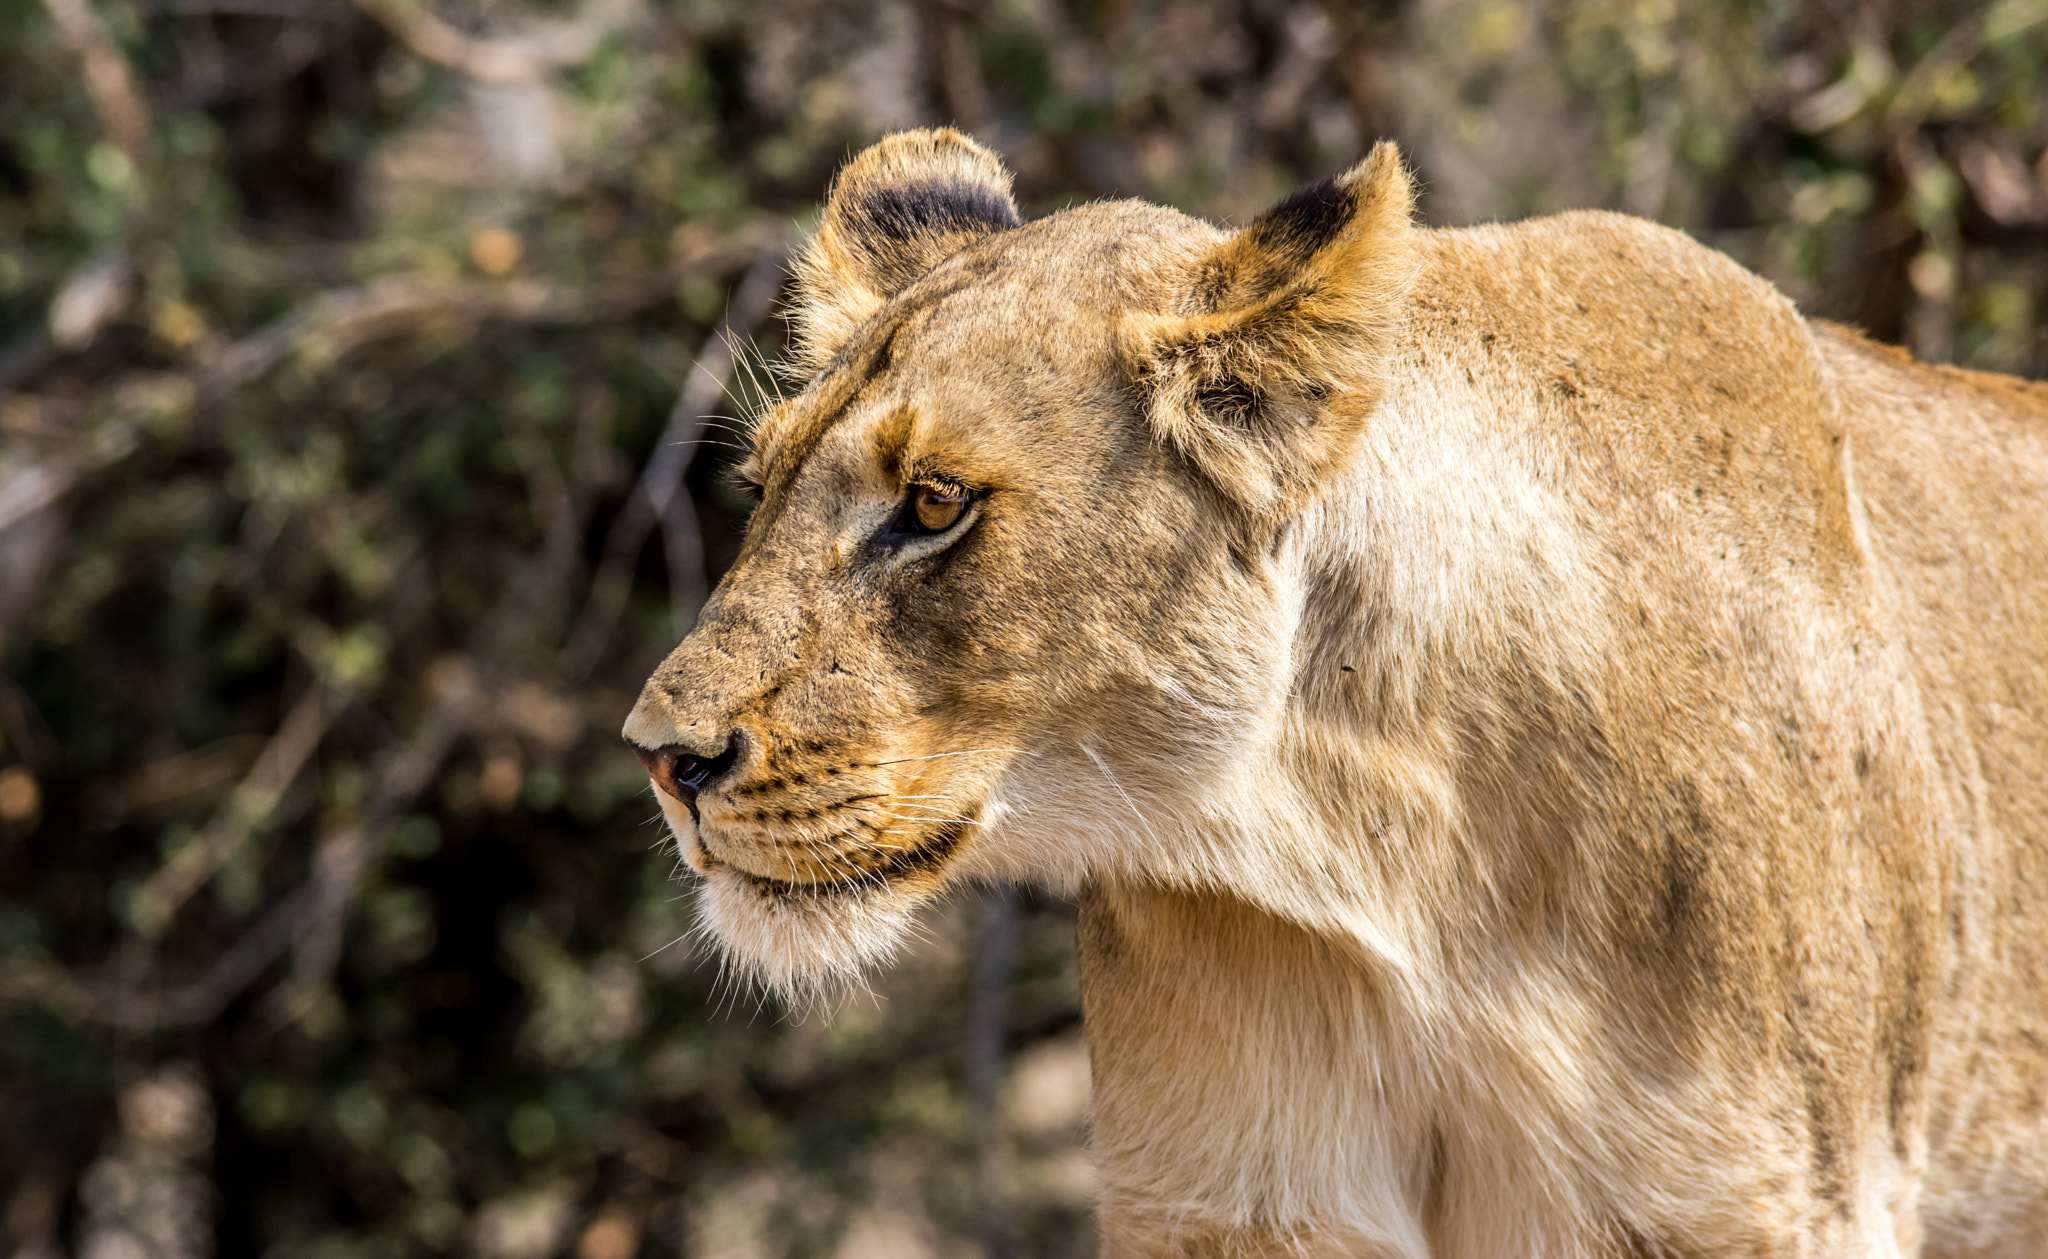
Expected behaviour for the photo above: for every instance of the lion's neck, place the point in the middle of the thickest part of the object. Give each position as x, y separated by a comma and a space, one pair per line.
1422, 766
1201, 1011
1262, 1089
1386, 949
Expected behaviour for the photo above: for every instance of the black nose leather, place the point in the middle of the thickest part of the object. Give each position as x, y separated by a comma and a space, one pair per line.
683, 774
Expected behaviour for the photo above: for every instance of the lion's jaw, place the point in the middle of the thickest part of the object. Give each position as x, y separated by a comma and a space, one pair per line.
839, 820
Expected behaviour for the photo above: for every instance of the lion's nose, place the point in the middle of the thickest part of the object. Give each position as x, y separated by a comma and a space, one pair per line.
682, 773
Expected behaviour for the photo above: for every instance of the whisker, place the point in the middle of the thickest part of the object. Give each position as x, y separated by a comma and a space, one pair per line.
856, 832
666, 947
905, 760
751, 362
1130, 803
937, 814
956, 821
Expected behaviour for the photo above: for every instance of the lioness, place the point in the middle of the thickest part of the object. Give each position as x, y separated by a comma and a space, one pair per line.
1549, 742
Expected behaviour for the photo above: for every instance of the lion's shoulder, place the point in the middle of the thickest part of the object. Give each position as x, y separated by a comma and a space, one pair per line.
1661, 362
1633, 293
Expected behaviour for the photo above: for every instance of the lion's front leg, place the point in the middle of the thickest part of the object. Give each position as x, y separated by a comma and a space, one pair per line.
1230, 1117
1134, 1234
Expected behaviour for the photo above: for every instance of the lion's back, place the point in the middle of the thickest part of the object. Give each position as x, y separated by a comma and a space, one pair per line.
1773, 496
1952, 468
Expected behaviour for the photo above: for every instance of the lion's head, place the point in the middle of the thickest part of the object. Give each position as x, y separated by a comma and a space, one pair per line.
1006, 607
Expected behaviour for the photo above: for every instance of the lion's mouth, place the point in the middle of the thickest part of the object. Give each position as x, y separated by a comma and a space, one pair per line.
919, 863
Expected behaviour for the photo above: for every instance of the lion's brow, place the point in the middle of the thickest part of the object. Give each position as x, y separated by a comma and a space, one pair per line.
780, 454
865, 359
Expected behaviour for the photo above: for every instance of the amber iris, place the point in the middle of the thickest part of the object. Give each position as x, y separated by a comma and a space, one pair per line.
938, 507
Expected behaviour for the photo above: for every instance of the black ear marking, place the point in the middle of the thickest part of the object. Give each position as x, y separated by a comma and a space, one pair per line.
908, 211
901, 207
1277, 245
1308, 220
1267, 356
884, 219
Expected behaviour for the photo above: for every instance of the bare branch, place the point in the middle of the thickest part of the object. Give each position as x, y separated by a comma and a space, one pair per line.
246, 810
682, 543
503, 58
1917, 92
28, 488
33, 978
345, 857
108, 81
657, 498
950, 56
332, 324
988, 1035
563, 514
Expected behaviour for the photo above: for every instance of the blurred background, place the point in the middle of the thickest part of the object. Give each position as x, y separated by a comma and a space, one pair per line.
355, 365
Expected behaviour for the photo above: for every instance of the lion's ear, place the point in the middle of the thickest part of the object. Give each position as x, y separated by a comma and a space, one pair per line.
1264, 374
896, 211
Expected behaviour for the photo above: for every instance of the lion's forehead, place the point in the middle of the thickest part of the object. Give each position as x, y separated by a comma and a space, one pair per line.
1004, 323
965, 394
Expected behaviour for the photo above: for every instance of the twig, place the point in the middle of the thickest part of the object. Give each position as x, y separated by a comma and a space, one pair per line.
951, 60
657, 497
108, 81
682, 544
311, 915
247, 809
36, 978
1917, 91
505, 58
563, 513
344, 858
286, 10
31, 487
334, 323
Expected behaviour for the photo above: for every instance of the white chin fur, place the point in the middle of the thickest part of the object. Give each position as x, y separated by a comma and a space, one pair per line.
805, 946
802, 945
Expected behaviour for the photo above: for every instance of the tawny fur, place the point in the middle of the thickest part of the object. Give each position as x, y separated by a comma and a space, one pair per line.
1550, 742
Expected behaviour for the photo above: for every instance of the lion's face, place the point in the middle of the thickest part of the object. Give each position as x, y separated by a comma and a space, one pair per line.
991, 591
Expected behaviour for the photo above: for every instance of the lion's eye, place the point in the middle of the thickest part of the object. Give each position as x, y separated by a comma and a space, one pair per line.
938, 508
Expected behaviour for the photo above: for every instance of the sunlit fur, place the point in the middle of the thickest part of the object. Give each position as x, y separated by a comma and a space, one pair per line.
1549, 742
